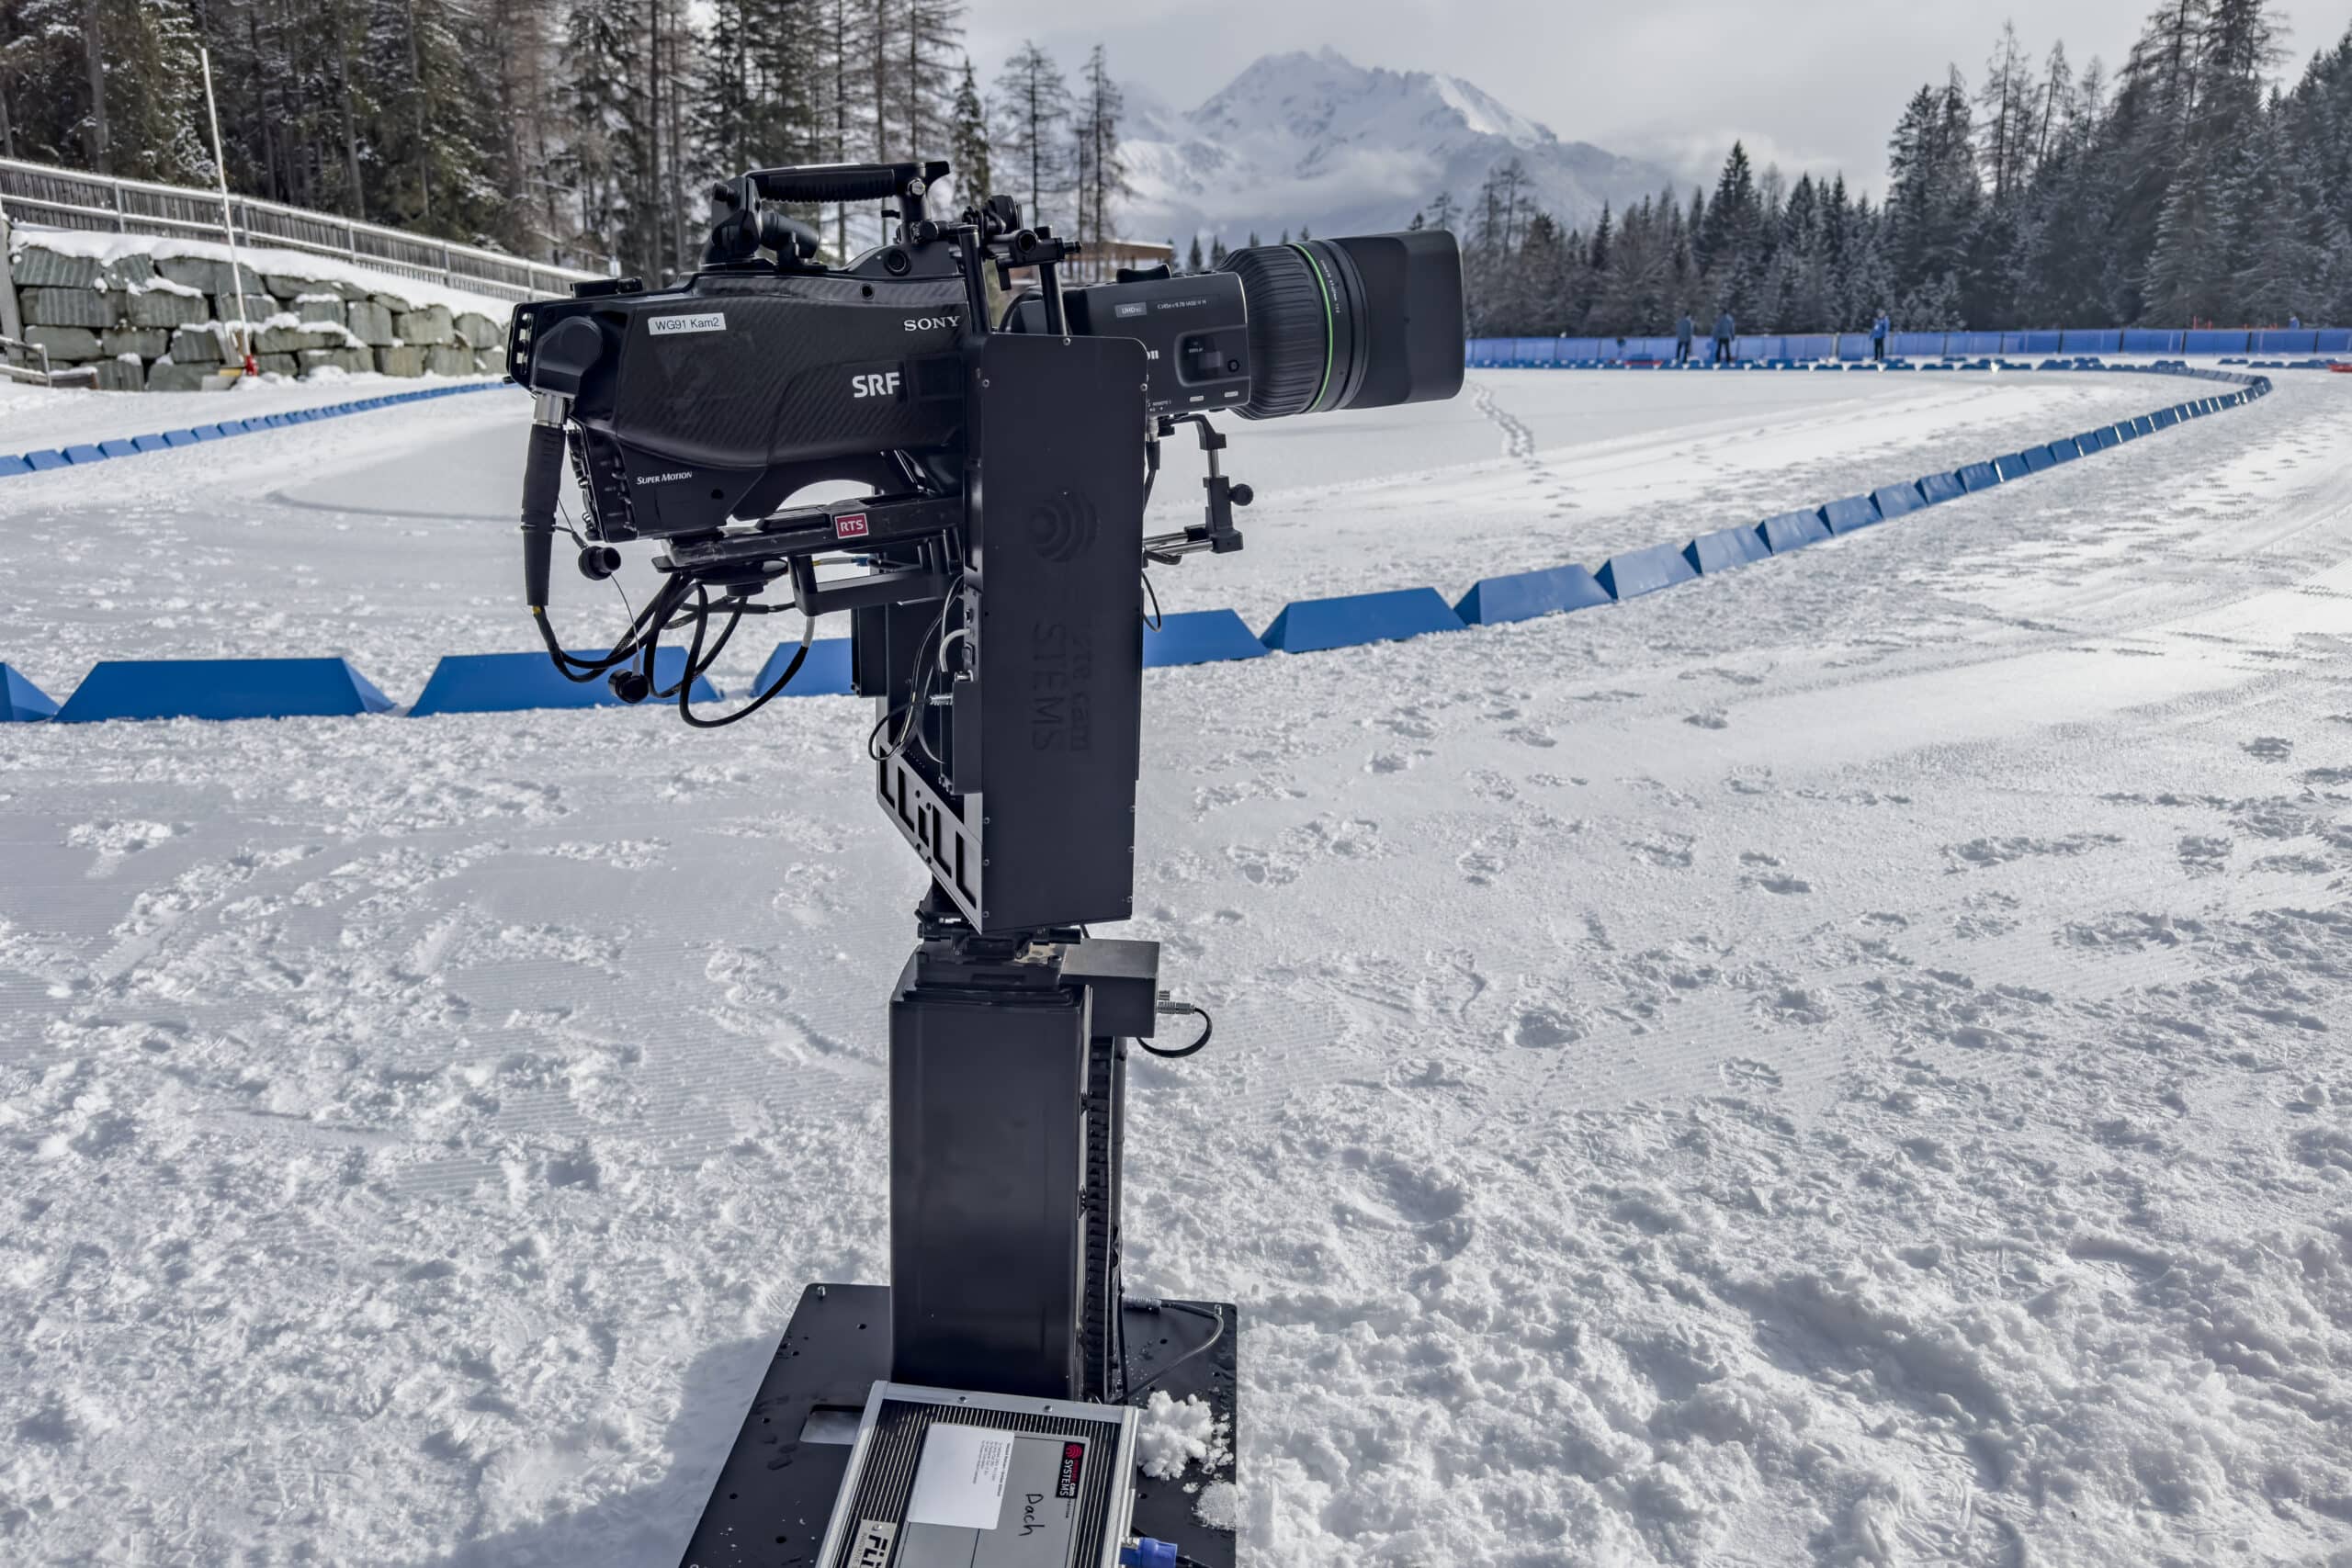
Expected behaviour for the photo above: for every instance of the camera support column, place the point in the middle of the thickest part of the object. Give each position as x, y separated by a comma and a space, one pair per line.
1008, 1061
1007, 1079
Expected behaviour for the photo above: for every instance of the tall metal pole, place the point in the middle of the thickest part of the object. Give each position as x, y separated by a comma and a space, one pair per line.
228, 225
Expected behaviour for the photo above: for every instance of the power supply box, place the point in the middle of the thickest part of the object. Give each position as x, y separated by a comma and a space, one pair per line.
942, 1479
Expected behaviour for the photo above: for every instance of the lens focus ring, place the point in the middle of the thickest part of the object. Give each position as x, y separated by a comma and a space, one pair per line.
1290, 330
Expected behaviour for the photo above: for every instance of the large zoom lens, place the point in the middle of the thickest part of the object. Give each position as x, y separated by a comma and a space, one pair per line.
1355, 323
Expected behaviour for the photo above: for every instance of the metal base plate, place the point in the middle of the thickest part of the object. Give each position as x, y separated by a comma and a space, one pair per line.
775, 1492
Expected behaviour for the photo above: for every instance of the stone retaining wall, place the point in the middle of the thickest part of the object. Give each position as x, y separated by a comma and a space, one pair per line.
164, 325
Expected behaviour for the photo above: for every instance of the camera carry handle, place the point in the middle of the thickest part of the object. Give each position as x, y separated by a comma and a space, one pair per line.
902, 183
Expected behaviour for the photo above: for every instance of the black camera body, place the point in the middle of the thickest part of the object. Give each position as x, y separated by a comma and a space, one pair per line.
996, 553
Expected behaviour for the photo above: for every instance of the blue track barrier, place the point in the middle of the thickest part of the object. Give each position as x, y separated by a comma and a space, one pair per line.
1792, 531
21, 702
1827, 350
1632, 573
1309, 625
223, 688
2214, 341
45, 460
1725, 548
1523, 595
824, 673
1194, 637
1897, 500
1848, 513
280, 688
515, 683
2064, 451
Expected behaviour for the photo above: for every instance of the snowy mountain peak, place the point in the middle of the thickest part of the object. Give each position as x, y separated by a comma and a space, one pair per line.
1316, 140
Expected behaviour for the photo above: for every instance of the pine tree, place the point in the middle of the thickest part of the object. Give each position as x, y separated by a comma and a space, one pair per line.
967, 140
1035, 102
1105, 184
932, 34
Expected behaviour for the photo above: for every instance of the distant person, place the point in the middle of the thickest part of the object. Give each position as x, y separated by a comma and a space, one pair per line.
1684, 331
1725, 330
1878, 335
2294, 323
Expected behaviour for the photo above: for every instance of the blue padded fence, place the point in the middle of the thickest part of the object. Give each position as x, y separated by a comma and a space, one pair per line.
1312, 626
1197, 636
1792, 531
1725, 548
1522, 596
1829, 350
515, 683
21, 702
47, 458
1850, 512
1634, 572
824, 673
221, 688
508, 682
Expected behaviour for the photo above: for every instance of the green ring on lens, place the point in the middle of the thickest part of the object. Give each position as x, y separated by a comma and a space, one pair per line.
1329, 333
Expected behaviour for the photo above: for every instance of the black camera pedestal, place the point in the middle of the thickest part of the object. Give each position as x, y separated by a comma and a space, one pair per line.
1008, 1067
775, 1492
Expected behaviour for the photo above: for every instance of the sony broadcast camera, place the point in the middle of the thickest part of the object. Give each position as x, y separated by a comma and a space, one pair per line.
1001, 447
992, 562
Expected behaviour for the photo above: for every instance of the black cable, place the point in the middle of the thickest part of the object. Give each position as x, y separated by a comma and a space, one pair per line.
581, 669
1215, 1315
919, 696
1208, 1027
1153, 619
686, 709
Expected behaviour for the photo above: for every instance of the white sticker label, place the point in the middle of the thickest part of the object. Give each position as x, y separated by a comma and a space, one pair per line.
960, 1482
669, 326
873, 1544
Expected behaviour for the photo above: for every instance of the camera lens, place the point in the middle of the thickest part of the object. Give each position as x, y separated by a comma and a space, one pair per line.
1306, 307
1352, 323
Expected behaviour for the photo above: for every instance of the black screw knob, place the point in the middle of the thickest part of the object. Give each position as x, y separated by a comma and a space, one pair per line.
598, 562
1241, 495
630, 685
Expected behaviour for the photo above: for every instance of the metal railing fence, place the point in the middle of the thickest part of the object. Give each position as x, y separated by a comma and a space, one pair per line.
39, 196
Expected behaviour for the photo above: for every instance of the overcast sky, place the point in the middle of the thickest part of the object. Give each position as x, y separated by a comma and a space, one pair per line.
1812, 86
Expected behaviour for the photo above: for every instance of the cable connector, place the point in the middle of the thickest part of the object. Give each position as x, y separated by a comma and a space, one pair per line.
1145, 1553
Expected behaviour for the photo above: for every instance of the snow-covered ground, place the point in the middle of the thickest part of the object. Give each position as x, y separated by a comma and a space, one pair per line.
1837, 1062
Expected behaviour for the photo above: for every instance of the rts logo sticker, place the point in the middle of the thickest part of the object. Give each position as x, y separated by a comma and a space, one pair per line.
850, 526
